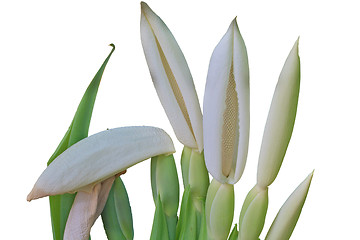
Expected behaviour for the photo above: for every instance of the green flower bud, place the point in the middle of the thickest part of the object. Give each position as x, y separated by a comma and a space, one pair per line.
280, 121
165, 182
194, 172
116, 216
219, 209
253, 213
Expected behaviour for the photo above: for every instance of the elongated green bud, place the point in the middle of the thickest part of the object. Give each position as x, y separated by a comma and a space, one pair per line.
219, 209
194, 172
196, 177
165, 182
253, 213
288, 215
116, 216
280, 121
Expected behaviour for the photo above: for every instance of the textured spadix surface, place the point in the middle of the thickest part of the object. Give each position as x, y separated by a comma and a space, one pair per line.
99, 157
227, 108
172, 79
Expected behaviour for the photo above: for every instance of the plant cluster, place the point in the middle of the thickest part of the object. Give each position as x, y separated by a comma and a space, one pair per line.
83, 175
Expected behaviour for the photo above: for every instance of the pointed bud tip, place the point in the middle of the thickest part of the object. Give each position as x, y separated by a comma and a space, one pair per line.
144, 6
234, 22
310, 176
296, 46
35, 194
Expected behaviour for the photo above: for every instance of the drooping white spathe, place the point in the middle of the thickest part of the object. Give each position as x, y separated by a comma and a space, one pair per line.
172, 79
227, 108
99, 157
288, 215
89, 168
280, 120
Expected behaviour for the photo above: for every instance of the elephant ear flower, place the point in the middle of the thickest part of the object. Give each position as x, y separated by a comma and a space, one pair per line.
172, 79
90, 166
227, 108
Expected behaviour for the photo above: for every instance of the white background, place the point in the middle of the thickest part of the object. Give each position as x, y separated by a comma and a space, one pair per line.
49, 52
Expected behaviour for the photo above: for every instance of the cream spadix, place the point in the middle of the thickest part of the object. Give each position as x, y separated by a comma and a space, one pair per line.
280, 121
98, 157
227, 108
172, 79
288, 215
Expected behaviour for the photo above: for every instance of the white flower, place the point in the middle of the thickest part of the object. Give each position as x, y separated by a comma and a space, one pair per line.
288, 215
226, 108
89, 167
280, 121
172, 79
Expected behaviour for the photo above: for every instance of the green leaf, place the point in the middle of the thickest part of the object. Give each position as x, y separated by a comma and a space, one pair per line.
116, 216
60, 205
159, 228
186, 227
234, 233
203, 227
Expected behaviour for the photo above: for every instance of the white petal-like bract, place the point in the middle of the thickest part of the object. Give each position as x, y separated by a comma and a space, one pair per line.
99, 157
172, 79
288, 215
280, 121
227, 108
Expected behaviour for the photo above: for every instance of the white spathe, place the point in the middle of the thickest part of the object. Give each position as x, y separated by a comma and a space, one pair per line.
280, 120
98, 157
172, 79
89, 167
288, 215
227, 108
